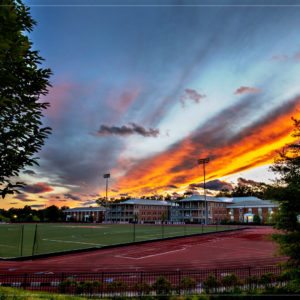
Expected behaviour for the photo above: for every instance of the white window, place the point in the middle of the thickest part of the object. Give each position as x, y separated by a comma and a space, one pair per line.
250, 210
259, 210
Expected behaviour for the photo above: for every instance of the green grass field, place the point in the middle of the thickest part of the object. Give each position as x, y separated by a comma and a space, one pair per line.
18, 240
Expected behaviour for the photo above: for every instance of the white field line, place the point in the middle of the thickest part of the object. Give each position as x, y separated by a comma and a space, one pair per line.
8, 246
73, 242
152, 255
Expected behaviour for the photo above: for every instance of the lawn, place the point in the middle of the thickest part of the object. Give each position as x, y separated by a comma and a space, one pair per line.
23, 240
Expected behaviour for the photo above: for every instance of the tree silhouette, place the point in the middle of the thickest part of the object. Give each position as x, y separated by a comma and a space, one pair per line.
22, 82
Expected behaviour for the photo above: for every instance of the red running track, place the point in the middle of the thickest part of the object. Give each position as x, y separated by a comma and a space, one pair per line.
249, 247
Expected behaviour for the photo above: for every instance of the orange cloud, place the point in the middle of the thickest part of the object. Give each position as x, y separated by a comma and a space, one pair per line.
246, 89
37, 188
297, 56
254, 146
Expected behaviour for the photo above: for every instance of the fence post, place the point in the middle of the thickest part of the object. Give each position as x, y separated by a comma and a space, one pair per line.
102, 284
22, 237
179, 278
25, 281
34, 239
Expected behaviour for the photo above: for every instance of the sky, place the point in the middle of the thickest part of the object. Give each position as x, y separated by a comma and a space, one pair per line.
143, 89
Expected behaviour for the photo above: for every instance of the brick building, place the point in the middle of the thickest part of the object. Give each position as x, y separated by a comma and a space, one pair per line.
148, 211
85, 214
243, 209
192, 210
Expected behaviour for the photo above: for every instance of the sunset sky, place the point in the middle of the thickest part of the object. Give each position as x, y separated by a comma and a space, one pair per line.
142, 89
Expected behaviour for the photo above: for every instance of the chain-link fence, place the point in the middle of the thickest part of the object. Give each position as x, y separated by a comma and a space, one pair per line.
32, 239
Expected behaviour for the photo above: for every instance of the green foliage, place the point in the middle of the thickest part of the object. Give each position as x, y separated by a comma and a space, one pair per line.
230, 280
143, 288
22, 82
36, 219
67, 286
287, 192
186, 284
224, 221
7, 293
89, 287
211, 284
162, 286
117, 286
4, 219
256, 220
252, 281
267, 279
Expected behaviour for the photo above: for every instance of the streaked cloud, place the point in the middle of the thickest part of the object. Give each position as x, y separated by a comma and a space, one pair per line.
72, 197
216, 185
230, 152
37, 188
29, 172
243, 182
125, 130
23, 198
246, 89
190, 94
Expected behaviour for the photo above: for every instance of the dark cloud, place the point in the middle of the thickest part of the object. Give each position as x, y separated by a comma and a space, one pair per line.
172, 186
130, 129
62, 200
29, 172
37, 205
246, 89
37, 188
72, 197
89, 203
191, 95
13, 203
57, 197
23, 198
243, 182
216, 185
125, 194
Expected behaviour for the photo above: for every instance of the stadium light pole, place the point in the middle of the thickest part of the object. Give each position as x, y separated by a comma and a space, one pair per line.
204, 161
106, 176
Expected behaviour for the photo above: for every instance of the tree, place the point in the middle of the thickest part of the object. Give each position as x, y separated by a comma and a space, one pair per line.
22, 82
287, 192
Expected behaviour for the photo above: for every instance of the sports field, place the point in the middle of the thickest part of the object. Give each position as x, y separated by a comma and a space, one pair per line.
23, 240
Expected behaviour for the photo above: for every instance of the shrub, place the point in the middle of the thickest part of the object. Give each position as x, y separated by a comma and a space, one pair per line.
67, 286
267, 279
89, 287
211, 284
256, 220
230, 280
186, 284
252, 281
162, 286
143, 288
117, 286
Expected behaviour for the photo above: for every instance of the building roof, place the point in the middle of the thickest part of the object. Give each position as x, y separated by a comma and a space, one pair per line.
239, 199
82, 209
253, 203
146, 202
201, 198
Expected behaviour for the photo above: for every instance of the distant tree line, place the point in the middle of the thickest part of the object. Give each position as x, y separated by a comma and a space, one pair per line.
27, 214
